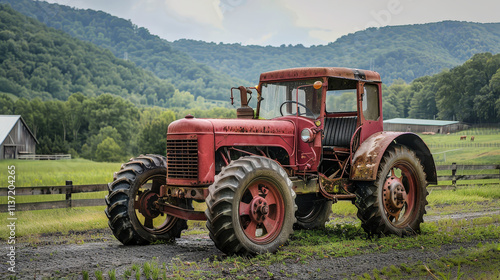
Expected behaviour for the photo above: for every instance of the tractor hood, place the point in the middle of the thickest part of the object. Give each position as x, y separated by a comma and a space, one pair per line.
236, 132
191, 125
194, 142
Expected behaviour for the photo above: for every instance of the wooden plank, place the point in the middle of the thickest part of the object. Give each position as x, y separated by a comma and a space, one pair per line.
469, 177
467, 167
37, 206
55, 204
90, 188
88, 202
56, 189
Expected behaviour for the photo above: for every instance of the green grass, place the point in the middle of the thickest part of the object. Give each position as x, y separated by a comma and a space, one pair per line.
464, 195
56, 220
459, 151
57, 172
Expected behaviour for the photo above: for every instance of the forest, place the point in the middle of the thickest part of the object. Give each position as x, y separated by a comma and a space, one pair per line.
135, 44
82, 99
468, 93
101, 128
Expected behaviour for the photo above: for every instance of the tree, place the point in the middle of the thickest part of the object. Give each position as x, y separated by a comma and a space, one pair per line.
109, 151
153, 137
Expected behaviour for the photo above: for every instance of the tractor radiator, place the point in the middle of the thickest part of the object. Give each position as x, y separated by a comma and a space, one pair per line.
182, 159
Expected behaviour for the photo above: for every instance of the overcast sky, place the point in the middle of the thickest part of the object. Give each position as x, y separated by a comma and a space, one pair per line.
276, 22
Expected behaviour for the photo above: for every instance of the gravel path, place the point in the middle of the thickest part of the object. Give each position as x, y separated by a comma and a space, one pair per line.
54, 256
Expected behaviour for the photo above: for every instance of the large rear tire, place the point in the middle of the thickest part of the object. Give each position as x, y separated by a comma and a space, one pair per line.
395, 202
250, 207
313, 211
130, 203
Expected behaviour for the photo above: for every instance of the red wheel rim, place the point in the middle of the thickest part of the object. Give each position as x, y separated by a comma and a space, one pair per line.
261, 211
151, 219
399, 194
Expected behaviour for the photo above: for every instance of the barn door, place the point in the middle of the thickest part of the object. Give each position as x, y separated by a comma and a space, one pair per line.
9, 152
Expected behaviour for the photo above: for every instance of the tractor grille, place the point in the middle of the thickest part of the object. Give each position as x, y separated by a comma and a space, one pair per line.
182, 158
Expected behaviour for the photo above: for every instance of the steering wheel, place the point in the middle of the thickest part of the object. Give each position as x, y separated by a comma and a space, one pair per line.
308, 111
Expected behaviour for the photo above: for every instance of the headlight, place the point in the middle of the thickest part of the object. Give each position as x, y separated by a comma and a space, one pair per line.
306, 135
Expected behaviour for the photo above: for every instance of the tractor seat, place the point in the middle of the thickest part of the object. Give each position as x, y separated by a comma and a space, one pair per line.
339, 131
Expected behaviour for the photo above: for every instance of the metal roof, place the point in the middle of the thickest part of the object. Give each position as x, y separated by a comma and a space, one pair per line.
7, 123
313, 72
419, 122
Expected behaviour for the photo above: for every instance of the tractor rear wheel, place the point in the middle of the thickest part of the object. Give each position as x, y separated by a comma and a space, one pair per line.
313, 211
250, 207
130, 209
395, 202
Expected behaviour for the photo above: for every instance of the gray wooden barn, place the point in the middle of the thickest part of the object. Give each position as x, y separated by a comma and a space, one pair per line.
15, 137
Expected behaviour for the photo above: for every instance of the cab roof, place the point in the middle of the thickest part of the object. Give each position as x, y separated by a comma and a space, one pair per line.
314, 72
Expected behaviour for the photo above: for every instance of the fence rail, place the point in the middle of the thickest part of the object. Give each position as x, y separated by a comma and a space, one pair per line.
44, 157
70, 189
465, 145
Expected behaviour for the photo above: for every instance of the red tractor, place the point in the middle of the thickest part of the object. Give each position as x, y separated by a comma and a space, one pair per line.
315, 137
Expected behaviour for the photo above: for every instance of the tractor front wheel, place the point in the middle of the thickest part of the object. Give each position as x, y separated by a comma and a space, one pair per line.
395, 202
131, 210
250, 207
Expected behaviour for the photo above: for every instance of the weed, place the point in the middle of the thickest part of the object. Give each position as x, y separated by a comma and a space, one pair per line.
112, 274
127, 273
85, 275
146, 268
98, 275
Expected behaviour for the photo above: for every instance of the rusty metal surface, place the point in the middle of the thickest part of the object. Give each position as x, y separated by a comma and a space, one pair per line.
182, 213
334, 186
367, 158
312, 72
184, 192
302, 187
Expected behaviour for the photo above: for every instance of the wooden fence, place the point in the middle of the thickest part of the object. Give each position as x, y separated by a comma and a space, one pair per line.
67, 190
70, 189
456, 167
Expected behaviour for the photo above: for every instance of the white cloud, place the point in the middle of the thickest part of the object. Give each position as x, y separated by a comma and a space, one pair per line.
276, 22
201, 12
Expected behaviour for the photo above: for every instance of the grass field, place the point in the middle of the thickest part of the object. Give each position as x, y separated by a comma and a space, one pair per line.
448, 148
56, 172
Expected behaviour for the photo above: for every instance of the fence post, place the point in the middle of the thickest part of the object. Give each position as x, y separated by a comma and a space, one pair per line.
454, 175
69, 190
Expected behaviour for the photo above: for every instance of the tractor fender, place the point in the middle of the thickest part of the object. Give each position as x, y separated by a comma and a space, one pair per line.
366, 159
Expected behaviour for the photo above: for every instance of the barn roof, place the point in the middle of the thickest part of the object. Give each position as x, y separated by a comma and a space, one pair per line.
7, 123
419, 122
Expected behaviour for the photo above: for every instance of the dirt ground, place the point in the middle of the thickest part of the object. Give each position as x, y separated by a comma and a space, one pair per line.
58, 256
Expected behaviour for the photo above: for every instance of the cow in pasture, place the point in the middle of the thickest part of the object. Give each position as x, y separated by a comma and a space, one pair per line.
472, 138
463, 137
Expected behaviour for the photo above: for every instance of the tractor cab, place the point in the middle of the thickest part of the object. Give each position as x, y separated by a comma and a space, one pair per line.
333, 109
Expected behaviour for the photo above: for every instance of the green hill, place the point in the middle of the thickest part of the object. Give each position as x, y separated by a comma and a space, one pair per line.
128, 41
37, 61
396, 52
